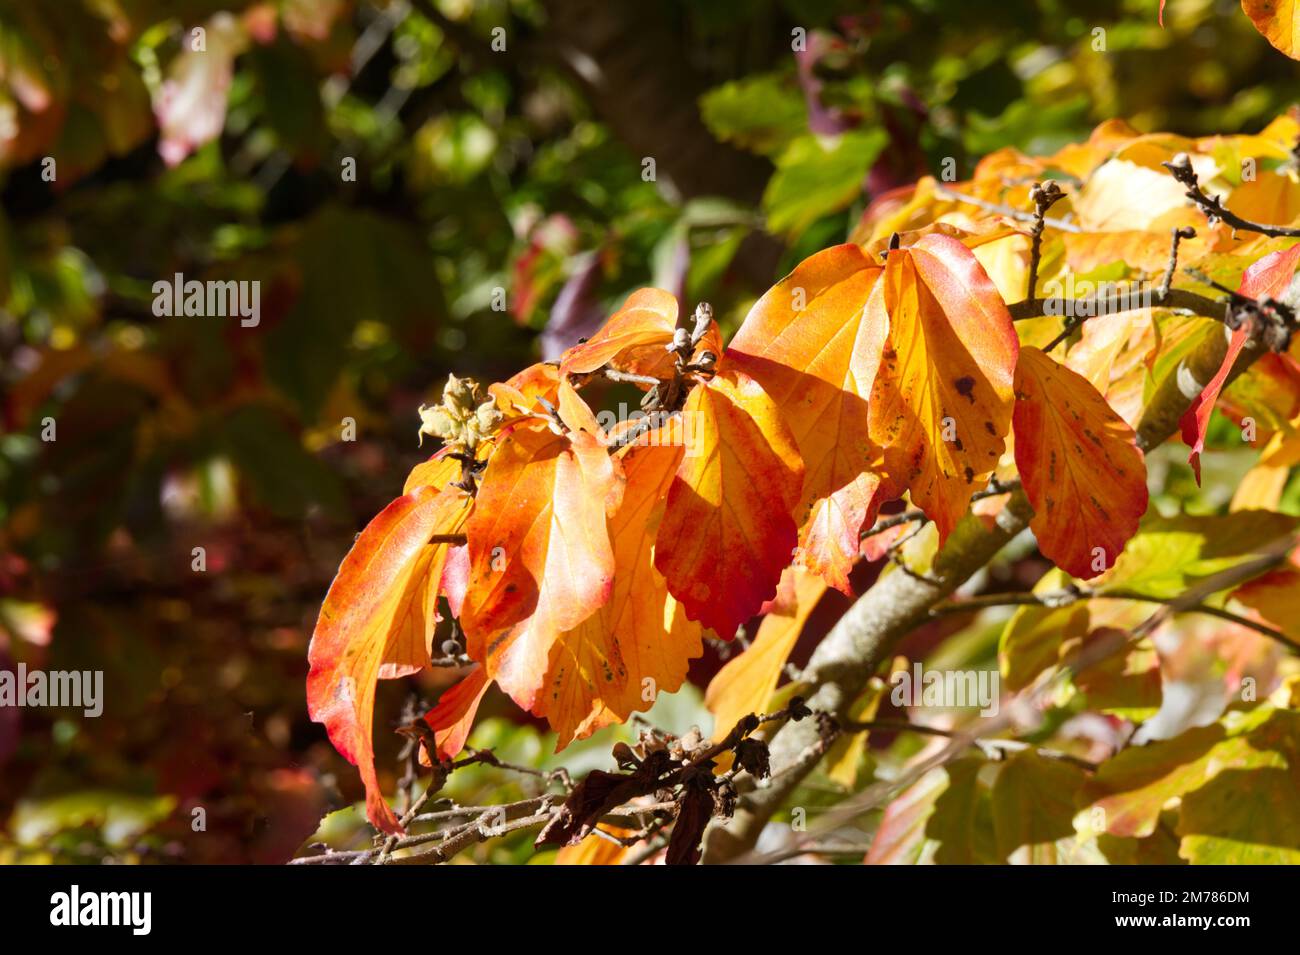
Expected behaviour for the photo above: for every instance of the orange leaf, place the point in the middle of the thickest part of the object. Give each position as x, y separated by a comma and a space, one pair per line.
1269, 197
574, 412
728, 531
415, 616
453, 715
639, 643
1275, 596
814, 346
1196, 419
1270, 276
636, 338
520, 393
746, 683
540, 560
1080, 465
1278, 21
355, 633
596, 850
437, 472
941, 405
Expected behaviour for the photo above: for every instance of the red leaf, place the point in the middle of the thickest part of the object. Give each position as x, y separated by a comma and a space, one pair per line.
814, 345
453, 715
1267, 278
356, 631
1271, 275
1080, 466
941, 404
728, 532
539, 551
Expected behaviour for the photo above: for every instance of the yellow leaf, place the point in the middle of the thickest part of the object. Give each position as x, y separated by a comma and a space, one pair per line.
744, 685
941, 405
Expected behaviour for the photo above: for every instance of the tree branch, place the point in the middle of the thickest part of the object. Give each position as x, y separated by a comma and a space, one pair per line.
1003, 210
1064, 598
1213, 207
898, 603
1115, 302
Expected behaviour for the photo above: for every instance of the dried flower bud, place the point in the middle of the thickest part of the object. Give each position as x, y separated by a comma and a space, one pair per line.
624, 756
437, 423
488, 416
460, 396
752, 757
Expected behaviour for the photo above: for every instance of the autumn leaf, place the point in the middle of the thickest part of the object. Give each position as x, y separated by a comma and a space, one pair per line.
453, 716
1270, 276
1269, 197
437, 472
1267, 278
1033, 807
944, 817
728, 530
639, 643
942, 401
415, 615
1278, 21
597, 850
1132, 788
1275, 596
540, 560
748, 680
1170, 554
1080, 466
635, 339
814, 344
356, 635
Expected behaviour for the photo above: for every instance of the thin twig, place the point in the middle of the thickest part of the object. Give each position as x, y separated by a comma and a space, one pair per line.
994, 489
1064, 598
1213, 207
1176, 234
1115, 302
1044, 195
1003, 210
903, 726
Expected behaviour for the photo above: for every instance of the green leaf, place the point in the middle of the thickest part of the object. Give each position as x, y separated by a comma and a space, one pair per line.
1168, 555
1127, 684
1244, 818
1132, 788
814, 179
962, 822
1033, 805
1031, 640
291, 96
1160, 848
120, 818
761, 113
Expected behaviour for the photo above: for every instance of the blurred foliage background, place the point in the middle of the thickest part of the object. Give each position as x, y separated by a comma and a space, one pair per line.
419, 186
